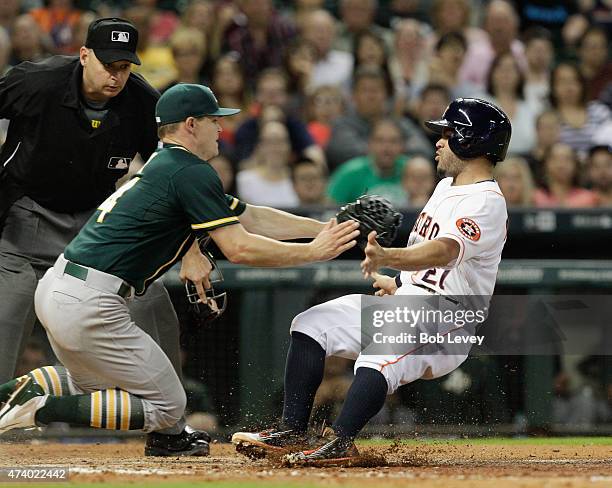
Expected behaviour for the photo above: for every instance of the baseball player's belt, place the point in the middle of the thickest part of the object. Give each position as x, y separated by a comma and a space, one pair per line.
81, 272
398, 283
434, 292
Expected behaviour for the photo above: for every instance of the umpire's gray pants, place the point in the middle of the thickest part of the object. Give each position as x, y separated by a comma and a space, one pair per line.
91, 332
32, 239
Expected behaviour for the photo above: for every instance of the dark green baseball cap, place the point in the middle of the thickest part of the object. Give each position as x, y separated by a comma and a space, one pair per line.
188, 100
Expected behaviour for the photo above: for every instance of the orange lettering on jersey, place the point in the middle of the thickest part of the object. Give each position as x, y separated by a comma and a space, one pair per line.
468, 228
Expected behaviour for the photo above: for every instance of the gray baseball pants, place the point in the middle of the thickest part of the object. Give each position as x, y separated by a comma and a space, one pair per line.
92, 333
32, 239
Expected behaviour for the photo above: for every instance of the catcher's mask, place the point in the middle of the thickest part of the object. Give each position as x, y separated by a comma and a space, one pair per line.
216, 302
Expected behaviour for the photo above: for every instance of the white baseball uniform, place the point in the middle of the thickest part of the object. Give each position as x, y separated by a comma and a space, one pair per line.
473, 215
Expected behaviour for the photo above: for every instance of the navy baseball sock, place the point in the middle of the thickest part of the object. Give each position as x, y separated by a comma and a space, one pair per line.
303, 375
364, 399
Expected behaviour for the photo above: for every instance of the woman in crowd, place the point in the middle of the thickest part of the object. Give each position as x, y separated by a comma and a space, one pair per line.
299, 66
418, 181
583, 124
324, 105
548, 128
516, 182
594, 61
370, 51
445, 64
408, 62
561, 186
189, 52
505, 89
228, 83
267, 181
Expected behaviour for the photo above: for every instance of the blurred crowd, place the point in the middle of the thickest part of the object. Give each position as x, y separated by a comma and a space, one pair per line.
333, 93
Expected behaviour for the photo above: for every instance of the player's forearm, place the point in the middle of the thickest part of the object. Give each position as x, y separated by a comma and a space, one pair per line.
276, 224
425, 255
265, 252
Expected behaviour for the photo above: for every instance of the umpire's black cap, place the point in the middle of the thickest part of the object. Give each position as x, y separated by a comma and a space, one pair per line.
113, 39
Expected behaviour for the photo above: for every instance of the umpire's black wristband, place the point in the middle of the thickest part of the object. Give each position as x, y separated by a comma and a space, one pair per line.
398, 280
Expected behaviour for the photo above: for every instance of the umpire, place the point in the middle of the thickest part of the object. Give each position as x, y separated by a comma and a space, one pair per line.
76, 124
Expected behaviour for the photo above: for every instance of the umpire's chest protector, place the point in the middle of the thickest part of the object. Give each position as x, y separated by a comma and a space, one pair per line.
53, 151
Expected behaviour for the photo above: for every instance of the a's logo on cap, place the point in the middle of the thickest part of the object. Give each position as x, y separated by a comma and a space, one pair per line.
120, 36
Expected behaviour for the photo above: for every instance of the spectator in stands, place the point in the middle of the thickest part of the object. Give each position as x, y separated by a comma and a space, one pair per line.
594, 61
202, 15
271, 97
299, 67
260, 36
163, 22
430, 106
370, 51
444, 67
516, 182
267, 179
418, 181
358, 16
539, 53
548, 128
379, 172
583, 125
79, 32
225, 169
157, 62
350, 132
561, 181
189, 53
324, 105
309, 183
409, 61
332, 66
229, 85
27, 41
9, 11
505, 88
600, 174
58, 20
501, 25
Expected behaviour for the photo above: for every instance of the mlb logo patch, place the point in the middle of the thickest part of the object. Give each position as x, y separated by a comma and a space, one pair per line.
120, 36
119, 163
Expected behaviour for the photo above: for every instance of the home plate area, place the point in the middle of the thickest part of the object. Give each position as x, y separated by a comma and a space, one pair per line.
461, 463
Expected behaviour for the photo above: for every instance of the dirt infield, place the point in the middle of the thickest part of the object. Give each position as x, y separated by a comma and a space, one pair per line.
425, 465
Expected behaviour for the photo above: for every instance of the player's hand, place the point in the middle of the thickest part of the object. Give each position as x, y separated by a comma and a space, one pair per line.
375, 256
385, 284
196, 268
334, 239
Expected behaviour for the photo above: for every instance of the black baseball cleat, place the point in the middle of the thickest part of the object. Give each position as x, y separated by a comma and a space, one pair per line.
337, 451
256, 445
190, 442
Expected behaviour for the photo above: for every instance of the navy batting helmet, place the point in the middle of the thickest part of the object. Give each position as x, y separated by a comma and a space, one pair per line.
479, 129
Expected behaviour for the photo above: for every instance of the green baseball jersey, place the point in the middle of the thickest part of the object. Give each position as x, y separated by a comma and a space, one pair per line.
149, 223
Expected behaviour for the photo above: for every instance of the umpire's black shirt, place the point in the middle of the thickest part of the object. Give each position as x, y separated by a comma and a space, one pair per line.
52, 151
